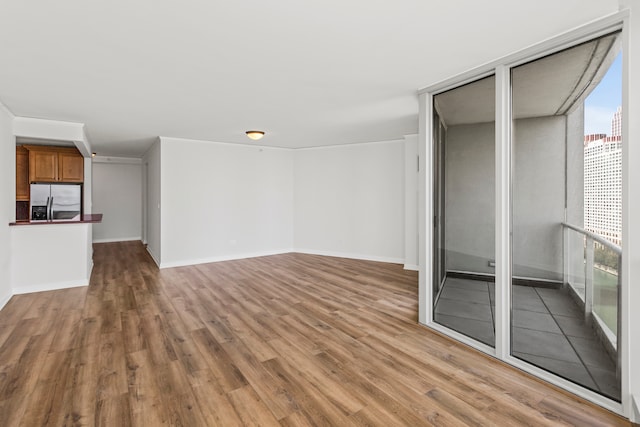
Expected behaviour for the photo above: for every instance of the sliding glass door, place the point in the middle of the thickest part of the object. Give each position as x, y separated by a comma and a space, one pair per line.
566, 213
552, 170
464, 209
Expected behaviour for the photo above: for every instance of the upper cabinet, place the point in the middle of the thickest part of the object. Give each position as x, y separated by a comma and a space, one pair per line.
43, 166
55, 164
22, 174
70, 166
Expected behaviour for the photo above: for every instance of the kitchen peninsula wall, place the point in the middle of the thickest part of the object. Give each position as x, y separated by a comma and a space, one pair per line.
62, 251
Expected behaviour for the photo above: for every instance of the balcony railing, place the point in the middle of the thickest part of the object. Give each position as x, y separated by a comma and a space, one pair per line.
592, 269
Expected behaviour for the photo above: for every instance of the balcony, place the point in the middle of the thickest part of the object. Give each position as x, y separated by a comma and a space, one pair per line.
523, 190
568, 328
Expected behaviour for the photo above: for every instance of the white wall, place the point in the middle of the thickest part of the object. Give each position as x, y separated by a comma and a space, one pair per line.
411, 202
47, 257
117, 193
224, 201
538, 197
7, 200
151, 167
349, 201
470, 197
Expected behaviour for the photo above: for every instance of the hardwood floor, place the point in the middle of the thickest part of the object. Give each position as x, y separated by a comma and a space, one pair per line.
291, 340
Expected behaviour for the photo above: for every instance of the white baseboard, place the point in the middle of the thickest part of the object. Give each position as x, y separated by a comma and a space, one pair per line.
207, 260
49, 286
117, 239
635, 403
350, 255
5, 300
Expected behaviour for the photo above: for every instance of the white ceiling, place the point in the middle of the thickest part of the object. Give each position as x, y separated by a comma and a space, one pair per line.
309, 73
553, 85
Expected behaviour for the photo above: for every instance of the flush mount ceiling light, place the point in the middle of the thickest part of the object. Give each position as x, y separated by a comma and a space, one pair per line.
255, 134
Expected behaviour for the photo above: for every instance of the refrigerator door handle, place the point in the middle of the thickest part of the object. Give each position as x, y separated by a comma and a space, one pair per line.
50, 208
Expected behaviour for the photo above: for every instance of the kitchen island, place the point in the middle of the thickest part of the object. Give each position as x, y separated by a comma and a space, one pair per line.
48, 255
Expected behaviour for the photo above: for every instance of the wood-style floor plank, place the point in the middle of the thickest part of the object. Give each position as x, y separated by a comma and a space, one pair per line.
284, 340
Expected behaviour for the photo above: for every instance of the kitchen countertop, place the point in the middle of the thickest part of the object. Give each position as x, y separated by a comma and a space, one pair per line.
84, 219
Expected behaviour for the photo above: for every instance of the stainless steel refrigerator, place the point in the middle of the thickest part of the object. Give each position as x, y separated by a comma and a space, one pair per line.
55, 201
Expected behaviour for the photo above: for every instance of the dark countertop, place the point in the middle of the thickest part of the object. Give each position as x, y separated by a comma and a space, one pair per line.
84, 219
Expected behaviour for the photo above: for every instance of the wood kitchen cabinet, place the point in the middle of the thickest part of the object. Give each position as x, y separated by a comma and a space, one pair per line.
70, 167
55, 164
22, 174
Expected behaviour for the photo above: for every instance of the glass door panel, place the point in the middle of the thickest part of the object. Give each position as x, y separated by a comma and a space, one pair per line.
566, 173
464, 209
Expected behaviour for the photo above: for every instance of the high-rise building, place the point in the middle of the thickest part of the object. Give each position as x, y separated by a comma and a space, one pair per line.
616, 123
603, 182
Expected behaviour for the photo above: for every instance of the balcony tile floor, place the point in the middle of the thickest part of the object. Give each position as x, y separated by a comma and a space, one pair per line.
549, 330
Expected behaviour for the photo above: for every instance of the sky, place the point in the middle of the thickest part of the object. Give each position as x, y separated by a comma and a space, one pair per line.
604, 100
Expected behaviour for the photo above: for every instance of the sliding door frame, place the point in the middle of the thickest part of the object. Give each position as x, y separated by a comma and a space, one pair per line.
503, 161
